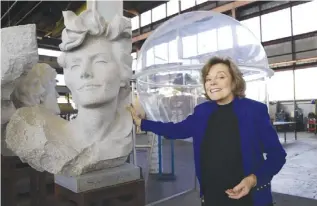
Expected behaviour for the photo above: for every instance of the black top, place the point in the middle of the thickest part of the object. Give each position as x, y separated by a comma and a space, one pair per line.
221, 159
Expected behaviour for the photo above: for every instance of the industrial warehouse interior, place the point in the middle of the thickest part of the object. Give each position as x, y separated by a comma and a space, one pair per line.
67, 142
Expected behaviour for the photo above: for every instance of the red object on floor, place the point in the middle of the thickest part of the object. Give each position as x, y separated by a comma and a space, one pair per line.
311, 125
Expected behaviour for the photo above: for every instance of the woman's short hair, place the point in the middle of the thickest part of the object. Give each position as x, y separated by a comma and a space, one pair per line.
238, 82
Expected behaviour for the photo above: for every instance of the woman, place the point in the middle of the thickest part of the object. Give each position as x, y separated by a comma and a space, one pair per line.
230, 136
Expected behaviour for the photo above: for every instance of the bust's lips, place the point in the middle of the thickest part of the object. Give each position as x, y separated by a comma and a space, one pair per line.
89, 87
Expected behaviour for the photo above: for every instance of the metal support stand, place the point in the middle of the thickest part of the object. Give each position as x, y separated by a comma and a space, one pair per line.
195, 104
134, 127
164, 176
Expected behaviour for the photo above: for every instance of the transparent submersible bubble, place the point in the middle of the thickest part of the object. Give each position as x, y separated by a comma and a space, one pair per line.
169, 63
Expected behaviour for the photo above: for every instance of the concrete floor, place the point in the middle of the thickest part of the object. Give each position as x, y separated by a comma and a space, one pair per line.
295, 185
192, 199
299, 175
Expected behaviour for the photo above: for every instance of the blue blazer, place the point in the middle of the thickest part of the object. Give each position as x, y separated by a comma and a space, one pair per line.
257, 137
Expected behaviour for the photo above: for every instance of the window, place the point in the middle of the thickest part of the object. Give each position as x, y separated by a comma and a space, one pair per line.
149, 57
172, 51
245, 37
146, 18
133, 54
134, 64
134, 61
161, 54
62, 99
302, 15
48, 52
135, 23
72, 103
186, 4
172, 7
256, 90
189, 46
159, 13
60, 80
276, 25
224, 38
281, 87
305, 83
207, 42
253, 25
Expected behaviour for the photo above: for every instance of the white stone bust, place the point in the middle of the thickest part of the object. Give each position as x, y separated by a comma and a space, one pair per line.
19, 52
37, 87
97, 67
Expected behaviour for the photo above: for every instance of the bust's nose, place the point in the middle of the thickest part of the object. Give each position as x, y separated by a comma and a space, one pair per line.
86, 75
86, 72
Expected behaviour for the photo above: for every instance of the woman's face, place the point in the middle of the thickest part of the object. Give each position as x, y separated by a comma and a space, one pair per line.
218, 84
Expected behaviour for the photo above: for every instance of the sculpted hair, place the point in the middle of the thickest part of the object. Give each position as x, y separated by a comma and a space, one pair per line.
238, 82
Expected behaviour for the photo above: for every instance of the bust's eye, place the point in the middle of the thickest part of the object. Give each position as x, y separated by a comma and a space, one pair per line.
74, 67
101, 61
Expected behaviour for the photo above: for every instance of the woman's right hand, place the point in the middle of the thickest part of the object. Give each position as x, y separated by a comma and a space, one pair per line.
136, 118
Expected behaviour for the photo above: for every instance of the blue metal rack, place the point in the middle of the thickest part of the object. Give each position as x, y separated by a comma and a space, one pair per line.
166, 176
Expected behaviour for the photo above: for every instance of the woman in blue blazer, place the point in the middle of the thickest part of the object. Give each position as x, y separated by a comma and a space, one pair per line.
231, 134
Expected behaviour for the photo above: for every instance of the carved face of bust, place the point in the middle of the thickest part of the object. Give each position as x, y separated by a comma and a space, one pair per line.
92, 74
49, 101
37, 87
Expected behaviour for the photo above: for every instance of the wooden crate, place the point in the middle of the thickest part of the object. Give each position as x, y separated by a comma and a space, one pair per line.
11, 172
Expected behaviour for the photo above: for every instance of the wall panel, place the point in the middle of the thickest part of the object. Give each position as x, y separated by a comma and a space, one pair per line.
306, 44
279, 59
278, 49
304, 55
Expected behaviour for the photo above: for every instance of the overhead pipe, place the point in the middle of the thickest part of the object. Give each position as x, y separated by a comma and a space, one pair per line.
7, 12
132, 11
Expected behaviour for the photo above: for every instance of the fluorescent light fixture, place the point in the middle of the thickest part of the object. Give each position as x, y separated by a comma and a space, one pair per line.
48, 52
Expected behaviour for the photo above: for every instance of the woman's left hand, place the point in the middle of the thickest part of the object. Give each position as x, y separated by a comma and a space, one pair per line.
243, 188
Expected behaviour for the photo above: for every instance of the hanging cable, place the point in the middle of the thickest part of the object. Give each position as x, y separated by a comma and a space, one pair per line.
28, 13
7, 12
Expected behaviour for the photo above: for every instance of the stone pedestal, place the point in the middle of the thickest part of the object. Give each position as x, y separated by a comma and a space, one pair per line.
100, 179
116, 187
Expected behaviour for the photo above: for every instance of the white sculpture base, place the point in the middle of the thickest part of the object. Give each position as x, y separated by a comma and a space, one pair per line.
102, 178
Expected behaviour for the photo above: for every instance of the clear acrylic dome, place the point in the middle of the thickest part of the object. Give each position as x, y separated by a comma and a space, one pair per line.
169, 62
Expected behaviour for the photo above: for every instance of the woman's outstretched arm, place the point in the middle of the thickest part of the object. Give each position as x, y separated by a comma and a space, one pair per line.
180, 130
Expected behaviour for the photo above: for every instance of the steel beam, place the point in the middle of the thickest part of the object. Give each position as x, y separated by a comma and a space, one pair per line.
49, 43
